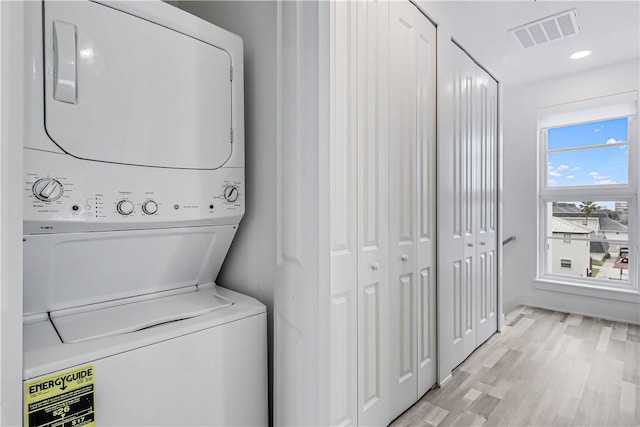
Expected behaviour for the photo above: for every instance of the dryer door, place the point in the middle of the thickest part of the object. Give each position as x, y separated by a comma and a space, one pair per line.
123, 89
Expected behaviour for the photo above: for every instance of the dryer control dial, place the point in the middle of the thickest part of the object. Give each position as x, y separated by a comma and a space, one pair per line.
150, 207
47, 189
231, 193
125, 207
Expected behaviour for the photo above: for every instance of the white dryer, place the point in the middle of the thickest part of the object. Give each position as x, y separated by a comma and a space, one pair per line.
133, 191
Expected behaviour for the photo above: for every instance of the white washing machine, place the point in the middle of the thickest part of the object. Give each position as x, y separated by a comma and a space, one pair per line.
133, 191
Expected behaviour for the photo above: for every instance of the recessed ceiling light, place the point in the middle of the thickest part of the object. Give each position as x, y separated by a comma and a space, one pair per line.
581, 54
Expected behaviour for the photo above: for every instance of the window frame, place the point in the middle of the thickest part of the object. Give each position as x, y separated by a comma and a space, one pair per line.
597, 192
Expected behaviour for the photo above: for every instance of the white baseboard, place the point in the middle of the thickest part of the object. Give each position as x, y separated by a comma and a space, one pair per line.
510, 305
446, 380
501, 322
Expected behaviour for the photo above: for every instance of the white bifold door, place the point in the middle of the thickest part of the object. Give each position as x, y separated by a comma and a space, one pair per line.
467, 205
412, 136
359, 213
382, 106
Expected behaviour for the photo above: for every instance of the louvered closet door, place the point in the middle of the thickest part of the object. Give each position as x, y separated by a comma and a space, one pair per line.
373, 219
411, 37
487, 236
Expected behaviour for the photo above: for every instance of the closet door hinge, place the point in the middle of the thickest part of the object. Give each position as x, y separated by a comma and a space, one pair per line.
231, 73
232, 135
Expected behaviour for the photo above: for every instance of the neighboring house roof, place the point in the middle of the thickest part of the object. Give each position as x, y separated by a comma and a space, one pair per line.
570, 210
560, 208
559, 225
608, 224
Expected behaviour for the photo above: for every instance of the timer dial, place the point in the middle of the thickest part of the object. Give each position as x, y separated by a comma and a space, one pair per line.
47, 189
231, 193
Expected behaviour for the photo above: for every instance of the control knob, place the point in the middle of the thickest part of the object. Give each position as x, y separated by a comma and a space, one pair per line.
125, 207
150, 207
231, 193
47, 189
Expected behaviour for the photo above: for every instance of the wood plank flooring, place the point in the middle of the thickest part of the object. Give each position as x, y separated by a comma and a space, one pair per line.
545, 369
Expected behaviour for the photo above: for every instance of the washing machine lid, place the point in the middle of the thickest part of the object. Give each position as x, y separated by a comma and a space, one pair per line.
134, 314
67, 270
123, 89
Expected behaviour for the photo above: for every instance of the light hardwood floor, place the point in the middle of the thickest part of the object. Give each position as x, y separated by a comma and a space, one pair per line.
545, 369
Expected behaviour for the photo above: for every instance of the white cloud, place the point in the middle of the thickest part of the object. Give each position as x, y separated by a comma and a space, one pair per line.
597, 176
563, 167
570, 176
551, 182
550, 167
606, 182
598, 129
554, 173
577, 168
613, 141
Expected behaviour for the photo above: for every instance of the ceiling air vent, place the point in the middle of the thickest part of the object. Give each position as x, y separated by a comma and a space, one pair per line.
554, 27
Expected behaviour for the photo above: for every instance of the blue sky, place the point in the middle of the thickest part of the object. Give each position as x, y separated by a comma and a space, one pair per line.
594, 166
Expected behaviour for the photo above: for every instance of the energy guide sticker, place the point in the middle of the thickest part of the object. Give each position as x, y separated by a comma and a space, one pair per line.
62, 400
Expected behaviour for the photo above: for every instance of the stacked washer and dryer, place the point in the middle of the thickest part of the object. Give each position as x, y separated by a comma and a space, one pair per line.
133, 192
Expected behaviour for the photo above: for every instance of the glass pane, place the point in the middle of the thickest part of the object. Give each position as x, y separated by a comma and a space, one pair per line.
588, 134
589, 240
592, 166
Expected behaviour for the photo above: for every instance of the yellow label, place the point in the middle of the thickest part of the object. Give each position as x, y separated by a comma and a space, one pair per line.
62, 400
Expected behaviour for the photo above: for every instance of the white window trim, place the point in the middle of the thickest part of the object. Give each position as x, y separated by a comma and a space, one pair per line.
599, 109
587, 290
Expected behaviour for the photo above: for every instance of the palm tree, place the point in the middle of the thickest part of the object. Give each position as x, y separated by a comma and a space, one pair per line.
588, 208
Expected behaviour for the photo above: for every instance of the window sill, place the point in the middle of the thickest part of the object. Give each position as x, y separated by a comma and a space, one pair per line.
630, 295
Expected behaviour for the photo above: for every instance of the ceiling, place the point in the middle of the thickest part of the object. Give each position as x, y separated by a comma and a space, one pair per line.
610, 30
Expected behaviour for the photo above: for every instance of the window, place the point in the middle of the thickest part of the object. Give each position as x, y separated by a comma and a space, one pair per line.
595, 153
588, 192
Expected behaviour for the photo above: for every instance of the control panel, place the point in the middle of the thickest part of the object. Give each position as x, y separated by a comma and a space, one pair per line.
69, 194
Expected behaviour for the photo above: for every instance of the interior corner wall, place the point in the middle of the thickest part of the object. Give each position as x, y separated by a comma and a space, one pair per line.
464, 30
520, 185
251, 262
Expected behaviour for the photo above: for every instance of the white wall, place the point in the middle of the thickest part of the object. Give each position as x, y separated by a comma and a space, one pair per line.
520, 193
577, 251
11, 101
616, 235
250, 265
